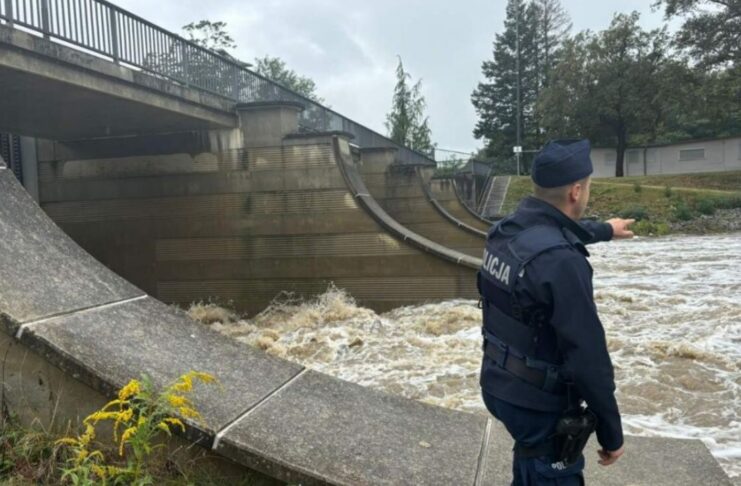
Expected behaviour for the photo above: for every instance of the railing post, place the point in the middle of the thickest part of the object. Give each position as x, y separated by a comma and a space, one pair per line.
45, 18
9, 11
185, 55
235, 94
114, 35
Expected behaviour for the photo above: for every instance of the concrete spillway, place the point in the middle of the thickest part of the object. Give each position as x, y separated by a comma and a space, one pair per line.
244, 224
444, 191
71, 332
404, 193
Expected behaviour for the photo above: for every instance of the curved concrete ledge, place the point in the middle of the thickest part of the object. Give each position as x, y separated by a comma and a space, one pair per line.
60, 306
445, 193
444, 212
399, 190
468, 208
357, 187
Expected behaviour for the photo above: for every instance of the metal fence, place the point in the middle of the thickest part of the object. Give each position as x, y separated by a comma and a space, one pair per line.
106, 29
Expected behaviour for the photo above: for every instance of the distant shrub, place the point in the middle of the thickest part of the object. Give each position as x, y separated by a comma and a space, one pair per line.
637, 188
728, 202
649, 228
682, 212
634, 212
667, 191
707, 205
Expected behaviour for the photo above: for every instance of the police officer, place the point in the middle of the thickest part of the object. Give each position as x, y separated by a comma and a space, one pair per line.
544, 346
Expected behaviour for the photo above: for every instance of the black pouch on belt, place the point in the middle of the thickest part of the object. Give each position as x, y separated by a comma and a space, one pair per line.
572, 433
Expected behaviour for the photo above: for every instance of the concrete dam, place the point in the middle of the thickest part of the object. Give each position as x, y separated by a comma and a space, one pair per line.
159, 192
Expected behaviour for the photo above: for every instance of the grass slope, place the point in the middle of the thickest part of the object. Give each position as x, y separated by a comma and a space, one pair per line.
655, 201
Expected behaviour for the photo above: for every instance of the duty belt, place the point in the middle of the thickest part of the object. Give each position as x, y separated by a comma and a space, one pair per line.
538, 373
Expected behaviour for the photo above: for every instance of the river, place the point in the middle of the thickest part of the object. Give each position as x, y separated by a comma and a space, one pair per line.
671, 308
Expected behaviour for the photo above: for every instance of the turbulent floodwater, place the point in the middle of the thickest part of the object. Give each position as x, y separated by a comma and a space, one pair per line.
671, 308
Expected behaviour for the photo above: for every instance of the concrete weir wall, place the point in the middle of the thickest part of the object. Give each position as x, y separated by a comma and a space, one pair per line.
71, 332
443, 190
239, 216
401, 191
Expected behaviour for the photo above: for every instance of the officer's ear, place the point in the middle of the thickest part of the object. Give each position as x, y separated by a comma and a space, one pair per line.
574, 192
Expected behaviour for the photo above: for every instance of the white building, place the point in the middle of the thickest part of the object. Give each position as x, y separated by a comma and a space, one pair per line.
712, 155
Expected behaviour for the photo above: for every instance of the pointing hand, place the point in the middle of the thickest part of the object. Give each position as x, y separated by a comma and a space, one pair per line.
620, 229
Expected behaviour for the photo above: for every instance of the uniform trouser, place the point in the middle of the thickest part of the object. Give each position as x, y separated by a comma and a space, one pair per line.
530, 428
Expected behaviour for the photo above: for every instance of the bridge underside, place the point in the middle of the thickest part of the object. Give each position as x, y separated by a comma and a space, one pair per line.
52, 91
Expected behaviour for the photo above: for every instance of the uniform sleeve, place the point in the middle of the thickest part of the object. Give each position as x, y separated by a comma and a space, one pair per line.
581, 340
601, 231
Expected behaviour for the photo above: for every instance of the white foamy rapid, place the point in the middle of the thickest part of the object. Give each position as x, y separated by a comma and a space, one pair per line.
671, 308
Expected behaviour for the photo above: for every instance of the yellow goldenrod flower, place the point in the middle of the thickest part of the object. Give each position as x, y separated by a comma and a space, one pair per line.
81, 455
204, 377
101, 415
114, 402
99, 471
126, 415
188, 412
163, 426
87, 436
185, 384
124, 438
175, 421
68, 440
177, 400
132, 388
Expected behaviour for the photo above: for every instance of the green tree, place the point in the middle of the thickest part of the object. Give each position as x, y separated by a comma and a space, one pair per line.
210, 35
214, 36
406, 122
610, 87
539, 27
553, 27
711, 30
276, 70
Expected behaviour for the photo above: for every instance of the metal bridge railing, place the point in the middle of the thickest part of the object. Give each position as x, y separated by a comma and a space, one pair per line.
103, 28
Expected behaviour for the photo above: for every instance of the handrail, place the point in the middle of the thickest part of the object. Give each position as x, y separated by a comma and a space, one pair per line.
108, 30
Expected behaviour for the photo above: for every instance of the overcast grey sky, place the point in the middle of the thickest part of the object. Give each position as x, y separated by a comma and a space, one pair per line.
349, 47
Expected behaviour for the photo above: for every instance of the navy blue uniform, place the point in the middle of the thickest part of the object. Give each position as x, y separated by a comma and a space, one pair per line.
555, 289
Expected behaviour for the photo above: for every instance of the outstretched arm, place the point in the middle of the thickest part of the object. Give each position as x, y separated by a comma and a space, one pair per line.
612, 229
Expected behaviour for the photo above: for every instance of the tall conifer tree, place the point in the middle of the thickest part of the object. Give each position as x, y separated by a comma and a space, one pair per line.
406, 123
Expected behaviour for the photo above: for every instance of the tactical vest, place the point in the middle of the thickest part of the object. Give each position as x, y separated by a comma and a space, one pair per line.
508, 340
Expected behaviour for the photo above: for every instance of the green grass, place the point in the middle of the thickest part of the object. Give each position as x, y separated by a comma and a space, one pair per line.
655, 201
721, 181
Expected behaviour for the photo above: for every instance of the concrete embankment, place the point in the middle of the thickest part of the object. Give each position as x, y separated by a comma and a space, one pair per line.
72, 332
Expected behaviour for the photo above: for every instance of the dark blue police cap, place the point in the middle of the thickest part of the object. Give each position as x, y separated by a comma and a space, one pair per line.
562, 162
